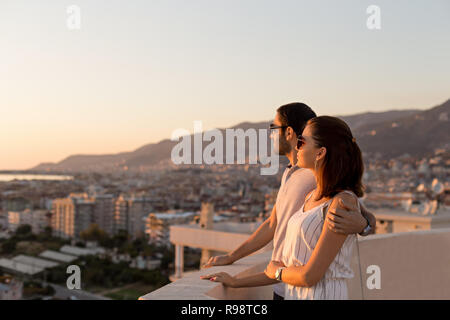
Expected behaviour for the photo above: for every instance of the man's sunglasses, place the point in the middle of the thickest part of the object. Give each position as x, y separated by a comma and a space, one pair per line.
273, 126
300, 141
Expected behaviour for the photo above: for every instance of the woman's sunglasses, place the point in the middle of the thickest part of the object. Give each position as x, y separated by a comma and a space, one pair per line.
300, 141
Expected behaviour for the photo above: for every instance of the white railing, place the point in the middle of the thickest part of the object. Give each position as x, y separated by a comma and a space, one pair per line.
192, 287
413, 265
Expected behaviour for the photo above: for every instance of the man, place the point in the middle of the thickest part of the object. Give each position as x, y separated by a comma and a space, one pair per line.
296, 183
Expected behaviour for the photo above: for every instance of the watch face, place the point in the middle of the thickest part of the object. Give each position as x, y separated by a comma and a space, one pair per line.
278, 274
367, 230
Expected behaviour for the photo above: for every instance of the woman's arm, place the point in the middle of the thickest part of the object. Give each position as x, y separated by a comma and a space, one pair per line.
256, 280
261, 237
327, 248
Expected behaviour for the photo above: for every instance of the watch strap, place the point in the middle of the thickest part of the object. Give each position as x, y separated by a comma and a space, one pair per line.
367, 229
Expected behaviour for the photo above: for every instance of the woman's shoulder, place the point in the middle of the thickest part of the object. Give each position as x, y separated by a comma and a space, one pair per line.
346, 196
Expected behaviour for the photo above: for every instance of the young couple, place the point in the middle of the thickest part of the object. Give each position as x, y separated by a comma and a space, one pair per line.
317, 214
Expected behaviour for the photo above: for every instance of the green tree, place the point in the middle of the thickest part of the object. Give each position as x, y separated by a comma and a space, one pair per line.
8, 246
121, 238
93, 233
23, 230
47, 232
168, 256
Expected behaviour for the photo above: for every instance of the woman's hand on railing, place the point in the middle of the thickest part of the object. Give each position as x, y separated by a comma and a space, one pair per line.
222, 260
222, 277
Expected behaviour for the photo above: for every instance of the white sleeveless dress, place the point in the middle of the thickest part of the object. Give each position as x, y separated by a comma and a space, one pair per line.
303, 232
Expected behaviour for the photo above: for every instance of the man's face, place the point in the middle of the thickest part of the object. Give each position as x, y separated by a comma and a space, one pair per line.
280, 145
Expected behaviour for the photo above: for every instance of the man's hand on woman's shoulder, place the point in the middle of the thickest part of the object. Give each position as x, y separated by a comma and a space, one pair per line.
344, 215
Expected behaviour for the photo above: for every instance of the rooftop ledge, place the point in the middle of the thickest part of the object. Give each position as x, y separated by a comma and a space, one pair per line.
191, 287
413, 265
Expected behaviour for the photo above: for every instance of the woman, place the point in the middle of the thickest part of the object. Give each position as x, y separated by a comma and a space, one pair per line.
316, 260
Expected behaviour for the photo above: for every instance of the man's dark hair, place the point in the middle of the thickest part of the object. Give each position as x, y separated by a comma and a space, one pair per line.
295, 115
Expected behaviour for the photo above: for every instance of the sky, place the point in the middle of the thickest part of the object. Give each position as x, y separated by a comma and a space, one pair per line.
138, 70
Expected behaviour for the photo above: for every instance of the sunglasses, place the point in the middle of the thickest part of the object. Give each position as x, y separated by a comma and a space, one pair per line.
273, 126
300, 141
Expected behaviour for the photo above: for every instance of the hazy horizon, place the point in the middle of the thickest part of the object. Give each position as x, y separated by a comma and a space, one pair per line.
136, 71
191, 129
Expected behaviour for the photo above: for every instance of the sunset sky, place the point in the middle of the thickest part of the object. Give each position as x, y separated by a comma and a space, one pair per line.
138, 70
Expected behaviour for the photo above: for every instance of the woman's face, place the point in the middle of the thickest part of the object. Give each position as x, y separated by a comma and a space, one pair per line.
307, 153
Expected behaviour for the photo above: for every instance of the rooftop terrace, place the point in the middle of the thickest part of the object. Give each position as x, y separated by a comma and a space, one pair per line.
413, 265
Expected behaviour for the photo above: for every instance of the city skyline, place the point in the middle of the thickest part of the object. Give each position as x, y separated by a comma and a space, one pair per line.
358, 120
136, 72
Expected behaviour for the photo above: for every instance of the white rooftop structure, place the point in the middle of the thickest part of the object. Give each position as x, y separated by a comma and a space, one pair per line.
19, 267
57, 256
77, 251
32, 261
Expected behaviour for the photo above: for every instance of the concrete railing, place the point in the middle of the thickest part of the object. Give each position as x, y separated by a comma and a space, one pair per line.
413, 265
191, 287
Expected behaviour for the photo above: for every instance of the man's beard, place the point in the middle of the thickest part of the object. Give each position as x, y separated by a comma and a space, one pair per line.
284, 147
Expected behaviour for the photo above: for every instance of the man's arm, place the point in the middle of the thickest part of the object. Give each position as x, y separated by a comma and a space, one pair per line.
261, 237
349, 219
370, 217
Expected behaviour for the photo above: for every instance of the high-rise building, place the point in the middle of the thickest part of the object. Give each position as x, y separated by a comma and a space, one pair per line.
16, 204
13, 220
138, 208
157, 225
129, 214
72, 215
36, 219
120, 214
104, 212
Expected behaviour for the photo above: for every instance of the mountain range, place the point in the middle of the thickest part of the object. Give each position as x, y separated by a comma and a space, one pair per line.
388, 134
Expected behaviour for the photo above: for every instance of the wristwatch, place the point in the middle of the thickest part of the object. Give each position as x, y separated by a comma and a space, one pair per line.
367, 229
278, 273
